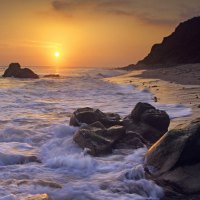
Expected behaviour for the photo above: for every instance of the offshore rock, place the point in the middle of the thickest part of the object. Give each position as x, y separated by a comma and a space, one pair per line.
52, 76
15, 70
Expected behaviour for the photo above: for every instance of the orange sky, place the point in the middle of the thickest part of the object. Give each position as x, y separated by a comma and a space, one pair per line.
92, 33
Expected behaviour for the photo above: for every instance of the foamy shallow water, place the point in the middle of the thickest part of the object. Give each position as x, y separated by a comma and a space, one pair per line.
34, 122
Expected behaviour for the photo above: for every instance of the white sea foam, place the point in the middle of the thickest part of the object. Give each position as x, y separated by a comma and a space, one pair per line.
175, 110
34, 122
8, 197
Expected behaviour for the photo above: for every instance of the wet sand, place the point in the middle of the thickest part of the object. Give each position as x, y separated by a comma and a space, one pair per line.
180, 84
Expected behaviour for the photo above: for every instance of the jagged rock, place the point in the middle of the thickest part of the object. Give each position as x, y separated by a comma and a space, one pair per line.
175, 158
97, 139
15, 70
90, 115
181, 47
147, 121
100, 132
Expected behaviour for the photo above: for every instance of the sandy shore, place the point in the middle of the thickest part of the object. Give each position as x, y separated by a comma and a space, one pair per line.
180, 84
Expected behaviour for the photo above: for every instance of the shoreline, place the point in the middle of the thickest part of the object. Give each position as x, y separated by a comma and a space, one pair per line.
173, 85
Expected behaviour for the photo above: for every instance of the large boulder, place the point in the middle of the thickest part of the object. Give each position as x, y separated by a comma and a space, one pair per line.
90, 115
15, 70
147, 121
98, 140
175, 158
148, 114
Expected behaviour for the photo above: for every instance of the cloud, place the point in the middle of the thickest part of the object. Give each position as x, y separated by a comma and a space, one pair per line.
65, 4
96, 5
61, 5
158, 12
29, 43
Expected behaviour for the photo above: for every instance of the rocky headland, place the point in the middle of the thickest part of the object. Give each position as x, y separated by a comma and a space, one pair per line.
180, 47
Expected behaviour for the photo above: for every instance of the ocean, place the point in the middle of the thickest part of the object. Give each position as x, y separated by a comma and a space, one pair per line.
34, 126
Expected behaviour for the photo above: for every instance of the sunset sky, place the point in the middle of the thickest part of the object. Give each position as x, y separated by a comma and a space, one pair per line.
92, 33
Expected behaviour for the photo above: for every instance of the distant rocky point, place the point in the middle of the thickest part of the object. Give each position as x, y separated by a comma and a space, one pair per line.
181, 47
52, 76
15, 70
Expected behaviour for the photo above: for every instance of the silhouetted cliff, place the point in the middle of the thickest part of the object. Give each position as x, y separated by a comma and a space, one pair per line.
181, 47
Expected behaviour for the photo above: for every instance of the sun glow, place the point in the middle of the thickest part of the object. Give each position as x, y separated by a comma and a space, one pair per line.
57, 54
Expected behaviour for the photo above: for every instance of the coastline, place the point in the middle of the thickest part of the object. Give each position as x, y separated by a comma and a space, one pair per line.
172, 85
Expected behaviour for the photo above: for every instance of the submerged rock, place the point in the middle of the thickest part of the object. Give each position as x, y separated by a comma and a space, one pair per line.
90, 115
15, 70
175, 158
43, 183
97, 139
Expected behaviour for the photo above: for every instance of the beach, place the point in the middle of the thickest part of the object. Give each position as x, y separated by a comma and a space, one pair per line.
172, 85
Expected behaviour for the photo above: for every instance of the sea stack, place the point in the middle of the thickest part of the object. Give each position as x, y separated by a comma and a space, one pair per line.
15, 70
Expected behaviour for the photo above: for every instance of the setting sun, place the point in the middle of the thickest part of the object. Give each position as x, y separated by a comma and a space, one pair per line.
57, 54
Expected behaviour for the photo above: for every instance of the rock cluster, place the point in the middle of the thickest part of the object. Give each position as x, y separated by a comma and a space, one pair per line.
15, 70
100, 132
173, 158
